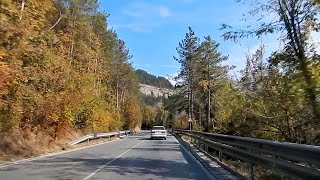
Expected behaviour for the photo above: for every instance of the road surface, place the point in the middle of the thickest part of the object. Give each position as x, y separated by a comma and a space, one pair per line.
134, 157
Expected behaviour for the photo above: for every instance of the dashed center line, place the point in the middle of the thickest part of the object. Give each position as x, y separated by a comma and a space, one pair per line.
103, 166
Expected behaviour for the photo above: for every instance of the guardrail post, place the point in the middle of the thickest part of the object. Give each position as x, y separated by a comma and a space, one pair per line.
206, 148
251, 171
220, 156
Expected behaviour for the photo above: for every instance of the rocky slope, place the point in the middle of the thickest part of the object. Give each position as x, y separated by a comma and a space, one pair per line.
155, 91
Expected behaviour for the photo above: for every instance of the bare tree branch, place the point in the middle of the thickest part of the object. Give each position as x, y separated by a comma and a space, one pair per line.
60, 17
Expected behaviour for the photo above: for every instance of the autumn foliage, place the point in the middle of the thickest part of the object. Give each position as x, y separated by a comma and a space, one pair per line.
59, 64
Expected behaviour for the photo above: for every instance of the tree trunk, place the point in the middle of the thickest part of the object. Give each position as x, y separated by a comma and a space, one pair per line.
209, 110
297, 42
192, 104
117, 93
200, 117
23, 3
310, 88
209, 100
123, 97
72, 33
189, 101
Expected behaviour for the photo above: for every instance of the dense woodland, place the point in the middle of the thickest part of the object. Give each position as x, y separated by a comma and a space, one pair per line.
275, 97
62, 69
149, 79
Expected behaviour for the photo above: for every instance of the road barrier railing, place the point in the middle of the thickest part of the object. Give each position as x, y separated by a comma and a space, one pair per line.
100, 135
295, 160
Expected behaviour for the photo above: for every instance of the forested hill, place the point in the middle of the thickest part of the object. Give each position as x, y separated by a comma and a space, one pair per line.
149, 79
63, 71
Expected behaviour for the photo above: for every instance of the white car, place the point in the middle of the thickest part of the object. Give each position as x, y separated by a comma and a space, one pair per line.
159, 132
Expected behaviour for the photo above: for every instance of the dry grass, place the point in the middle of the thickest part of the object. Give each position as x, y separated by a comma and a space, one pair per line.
23, 143
18, 144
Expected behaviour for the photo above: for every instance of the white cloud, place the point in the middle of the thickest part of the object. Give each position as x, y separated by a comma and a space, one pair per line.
138, 27
131, 13
147, 10
144, 16
170, 66
164, 11
141, 65
188, 1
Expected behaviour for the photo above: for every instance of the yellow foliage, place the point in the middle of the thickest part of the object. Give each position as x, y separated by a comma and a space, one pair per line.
2, 54
61, 75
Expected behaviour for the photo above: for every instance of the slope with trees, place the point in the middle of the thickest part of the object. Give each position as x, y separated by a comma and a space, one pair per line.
57, 74
276, 97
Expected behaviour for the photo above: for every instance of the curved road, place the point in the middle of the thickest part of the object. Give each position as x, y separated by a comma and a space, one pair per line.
134, 157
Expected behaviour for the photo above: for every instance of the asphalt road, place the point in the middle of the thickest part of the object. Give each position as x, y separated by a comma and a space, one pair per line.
134, 157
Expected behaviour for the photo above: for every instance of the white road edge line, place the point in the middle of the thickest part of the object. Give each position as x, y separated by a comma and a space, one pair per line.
6, 164
196, 160
103, 166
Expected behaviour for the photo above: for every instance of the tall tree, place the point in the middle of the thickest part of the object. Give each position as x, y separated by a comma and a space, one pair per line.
210, 72
296, 18
188, 55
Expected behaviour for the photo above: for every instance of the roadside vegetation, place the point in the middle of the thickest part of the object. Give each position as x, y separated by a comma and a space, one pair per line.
275, 97
63, 72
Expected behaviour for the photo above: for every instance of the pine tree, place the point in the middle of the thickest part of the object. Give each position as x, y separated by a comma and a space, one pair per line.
209, 74
188, 55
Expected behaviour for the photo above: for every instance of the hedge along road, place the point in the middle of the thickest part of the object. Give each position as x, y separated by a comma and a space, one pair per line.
134, 157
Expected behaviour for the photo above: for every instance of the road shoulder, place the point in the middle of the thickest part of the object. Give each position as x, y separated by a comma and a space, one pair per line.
216, 170
9, 163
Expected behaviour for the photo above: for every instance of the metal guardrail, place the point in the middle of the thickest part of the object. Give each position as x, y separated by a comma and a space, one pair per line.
296, 160
99, 135
145, 131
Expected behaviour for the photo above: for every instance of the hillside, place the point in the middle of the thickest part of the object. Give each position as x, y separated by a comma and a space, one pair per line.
155, 91
63, 73
151, 80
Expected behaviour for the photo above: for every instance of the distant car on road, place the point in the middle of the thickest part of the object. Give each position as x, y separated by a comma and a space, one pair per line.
159, 132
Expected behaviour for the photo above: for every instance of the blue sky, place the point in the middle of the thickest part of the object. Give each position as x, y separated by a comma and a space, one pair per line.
152, 29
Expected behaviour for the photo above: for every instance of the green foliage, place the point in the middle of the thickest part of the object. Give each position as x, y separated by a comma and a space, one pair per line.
151, 100
295, 19
275, 98
199, 79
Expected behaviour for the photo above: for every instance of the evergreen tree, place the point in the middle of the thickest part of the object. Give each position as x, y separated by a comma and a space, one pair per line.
209, 75
188, 55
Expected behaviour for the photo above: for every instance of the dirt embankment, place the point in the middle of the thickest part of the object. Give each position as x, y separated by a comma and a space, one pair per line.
31, 142
28, 142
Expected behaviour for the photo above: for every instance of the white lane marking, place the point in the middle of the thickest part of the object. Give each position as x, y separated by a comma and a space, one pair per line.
206, 171
100, 168
6, 164
176, 139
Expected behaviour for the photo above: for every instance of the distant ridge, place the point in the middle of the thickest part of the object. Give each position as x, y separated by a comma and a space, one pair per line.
152, 80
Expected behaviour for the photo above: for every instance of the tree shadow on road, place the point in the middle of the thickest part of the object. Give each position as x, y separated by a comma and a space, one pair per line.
133, 166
